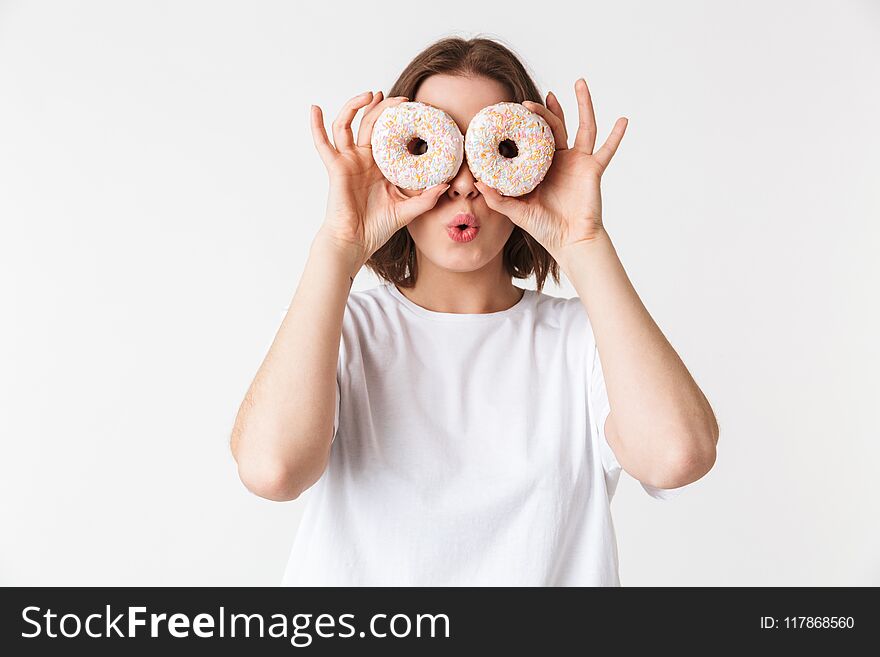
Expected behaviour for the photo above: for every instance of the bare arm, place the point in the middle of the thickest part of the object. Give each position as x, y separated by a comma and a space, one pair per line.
661, 426
282, 434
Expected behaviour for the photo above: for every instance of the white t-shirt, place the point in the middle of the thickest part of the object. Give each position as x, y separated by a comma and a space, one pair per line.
468, 450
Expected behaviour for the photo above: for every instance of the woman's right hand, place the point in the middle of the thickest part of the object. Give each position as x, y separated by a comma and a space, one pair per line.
364, 209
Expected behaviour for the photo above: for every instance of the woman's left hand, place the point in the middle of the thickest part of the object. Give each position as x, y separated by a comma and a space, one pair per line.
566, 207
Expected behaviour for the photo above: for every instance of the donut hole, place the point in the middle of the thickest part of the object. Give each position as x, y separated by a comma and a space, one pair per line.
417, 146
508, 148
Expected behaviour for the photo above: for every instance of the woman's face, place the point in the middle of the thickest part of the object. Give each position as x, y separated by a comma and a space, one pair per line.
461, 98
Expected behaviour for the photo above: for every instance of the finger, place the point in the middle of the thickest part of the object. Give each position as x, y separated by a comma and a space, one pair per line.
414, 206
554, 106
511, 207
585, 139
319, 136
556, 126
609, 148
377, 98
342, 136
365, 130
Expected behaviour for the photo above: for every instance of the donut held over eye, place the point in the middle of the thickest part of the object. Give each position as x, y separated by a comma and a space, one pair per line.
416, 145
509, 148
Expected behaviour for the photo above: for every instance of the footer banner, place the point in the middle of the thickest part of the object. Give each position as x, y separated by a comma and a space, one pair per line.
111, 621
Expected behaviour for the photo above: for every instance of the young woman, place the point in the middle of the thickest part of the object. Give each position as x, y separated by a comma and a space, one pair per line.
450, 427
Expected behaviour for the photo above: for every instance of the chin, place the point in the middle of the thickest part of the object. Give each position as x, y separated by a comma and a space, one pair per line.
457, 257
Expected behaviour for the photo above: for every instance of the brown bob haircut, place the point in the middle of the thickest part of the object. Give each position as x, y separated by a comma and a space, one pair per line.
396, 261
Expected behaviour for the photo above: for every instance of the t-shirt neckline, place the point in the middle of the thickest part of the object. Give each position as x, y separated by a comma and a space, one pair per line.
520, 305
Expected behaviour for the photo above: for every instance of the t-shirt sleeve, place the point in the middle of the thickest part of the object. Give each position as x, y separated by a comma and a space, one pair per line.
601, 407
336, 413
338, 376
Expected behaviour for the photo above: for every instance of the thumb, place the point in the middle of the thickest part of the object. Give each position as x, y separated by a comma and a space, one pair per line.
415, 205
511, 207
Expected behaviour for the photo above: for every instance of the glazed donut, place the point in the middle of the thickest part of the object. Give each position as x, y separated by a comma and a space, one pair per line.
509, 147
416, 145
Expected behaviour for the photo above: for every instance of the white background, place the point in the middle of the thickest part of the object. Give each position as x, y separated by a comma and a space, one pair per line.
159, 191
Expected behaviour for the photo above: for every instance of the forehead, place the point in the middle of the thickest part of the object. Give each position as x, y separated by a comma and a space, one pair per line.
461, 97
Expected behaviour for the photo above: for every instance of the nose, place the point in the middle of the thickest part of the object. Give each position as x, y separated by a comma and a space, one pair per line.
462, 186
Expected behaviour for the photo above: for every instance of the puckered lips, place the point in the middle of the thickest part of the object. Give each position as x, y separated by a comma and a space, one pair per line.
463, 227
463, 220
